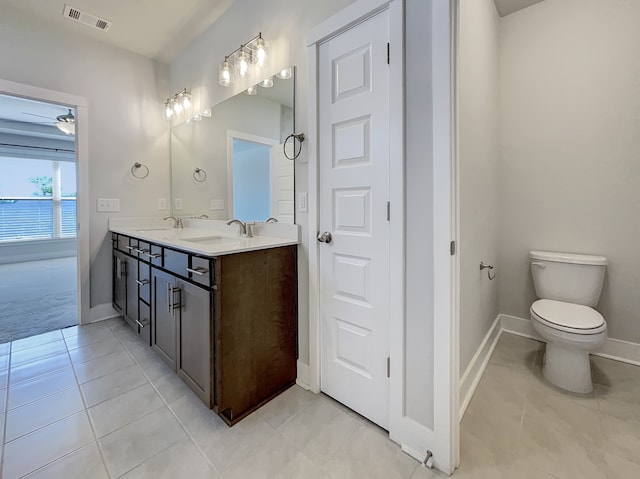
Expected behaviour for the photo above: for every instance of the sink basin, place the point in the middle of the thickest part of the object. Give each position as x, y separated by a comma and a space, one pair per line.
212, 240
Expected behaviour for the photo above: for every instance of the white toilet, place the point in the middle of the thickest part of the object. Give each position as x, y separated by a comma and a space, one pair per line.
569, 286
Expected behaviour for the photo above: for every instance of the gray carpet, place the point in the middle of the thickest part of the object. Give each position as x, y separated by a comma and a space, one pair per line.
37, 297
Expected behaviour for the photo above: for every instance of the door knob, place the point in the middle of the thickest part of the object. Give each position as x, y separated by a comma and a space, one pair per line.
324, 237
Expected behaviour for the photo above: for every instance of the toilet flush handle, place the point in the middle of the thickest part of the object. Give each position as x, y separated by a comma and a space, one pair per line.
538, 264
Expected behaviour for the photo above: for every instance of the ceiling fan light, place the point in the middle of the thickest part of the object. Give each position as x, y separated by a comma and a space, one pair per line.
67, 128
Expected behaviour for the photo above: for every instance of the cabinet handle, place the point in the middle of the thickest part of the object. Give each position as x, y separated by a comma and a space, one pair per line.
169, 299
142, 325
141, 251
118, 268
152, 255
199, 270
143, 282
129, 247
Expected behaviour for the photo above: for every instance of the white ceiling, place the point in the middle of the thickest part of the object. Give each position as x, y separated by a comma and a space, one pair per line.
158, 29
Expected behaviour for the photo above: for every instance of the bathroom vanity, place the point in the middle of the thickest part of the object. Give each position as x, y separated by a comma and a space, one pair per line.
220, 310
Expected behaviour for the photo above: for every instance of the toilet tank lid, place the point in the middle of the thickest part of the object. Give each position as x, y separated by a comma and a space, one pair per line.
568, 258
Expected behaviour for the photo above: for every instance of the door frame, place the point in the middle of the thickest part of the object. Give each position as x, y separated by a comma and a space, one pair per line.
443, 440
82, 179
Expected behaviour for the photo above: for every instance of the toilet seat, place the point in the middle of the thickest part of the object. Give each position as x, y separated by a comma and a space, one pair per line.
568, 317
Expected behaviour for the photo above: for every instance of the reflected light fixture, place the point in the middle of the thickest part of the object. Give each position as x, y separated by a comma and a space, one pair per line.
252, 90
266, 83
284, 74
177, 103
241, 59
67, 123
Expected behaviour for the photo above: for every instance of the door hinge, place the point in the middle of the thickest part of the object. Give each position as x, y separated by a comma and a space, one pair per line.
388, 211
388, 367
452, 248
388, 53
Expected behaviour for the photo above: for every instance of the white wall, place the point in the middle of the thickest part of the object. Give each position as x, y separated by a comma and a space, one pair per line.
570, 147
478, 96
124, 92
284, 25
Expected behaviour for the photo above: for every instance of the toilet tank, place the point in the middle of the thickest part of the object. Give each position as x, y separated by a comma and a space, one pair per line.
569, 277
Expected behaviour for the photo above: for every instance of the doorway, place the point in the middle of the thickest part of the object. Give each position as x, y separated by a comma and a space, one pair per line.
38, 244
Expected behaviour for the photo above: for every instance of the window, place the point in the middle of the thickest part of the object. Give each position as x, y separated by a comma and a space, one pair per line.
37, 199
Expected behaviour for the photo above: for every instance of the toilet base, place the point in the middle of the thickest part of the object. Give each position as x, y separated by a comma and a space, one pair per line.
567, 368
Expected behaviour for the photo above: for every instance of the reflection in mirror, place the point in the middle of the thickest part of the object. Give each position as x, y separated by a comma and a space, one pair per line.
231, 165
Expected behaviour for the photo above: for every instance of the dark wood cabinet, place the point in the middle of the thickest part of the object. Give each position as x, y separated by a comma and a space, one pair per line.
163, 314
227, 325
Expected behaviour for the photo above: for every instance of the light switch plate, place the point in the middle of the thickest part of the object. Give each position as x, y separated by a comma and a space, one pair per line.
217, 204
108, 204
162, 204
302, 202
177, 204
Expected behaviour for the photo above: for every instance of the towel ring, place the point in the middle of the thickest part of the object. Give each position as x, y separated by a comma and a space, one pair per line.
136, 166
489, 268
295, 136
199, 175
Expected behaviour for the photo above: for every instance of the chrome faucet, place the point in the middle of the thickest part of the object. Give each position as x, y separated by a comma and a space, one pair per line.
177, 222
271, 220
243, 227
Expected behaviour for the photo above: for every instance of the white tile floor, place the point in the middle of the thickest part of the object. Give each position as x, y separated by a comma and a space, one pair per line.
519, 426
94, 402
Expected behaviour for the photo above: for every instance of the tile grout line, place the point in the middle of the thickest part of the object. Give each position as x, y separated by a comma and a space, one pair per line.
6, 411
86, 411
182, 426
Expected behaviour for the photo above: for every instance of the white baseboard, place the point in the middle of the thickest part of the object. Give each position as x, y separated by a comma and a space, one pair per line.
471, 377
615, 349
303, 375
100, 313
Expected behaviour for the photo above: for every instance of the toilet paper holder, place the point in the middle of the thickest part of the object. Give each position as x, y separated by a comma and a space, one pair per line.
489, 268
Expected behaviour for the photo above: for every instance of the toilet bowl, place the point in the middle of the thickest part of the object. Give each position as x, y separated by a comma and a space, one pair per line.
569, 286
571, 331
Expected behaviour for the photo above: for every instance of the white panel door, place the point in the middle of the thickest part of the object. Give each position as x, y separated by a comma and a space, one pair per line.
281, 169
353, 113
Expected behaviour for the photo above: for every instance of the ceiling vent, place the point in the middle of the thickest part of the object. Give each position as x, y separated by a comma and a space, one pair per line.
86, 18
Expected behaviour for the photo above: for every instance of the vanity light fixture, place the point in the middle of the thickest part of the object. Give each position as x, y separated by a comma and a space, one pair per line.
266, 83
175, 104
254, 51
252, 90
284, 74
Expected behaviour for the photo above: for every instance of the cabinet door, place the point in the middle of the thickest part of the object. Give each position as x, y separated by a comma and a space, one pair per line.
119, 282
195, 340
163, 311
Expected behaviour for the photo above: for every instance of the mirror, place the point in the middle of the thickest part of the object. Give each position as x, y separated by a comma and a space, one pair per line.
231, 164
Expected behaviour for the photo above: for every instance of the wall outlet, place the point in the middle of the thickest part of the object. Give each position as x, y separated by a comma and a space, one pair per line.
217, 204
177, 204
108, 204
302, 202
162, 204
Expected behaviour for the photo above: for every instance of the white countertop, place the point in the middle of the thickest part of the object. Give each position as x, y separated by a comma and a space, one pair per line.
206, 237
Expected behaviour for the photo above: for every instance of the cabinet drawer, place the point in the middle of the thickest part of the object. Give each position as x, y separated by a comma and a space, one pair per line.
142, 249
144, 322
201, 271
122, 243
176, 262
144, 282
155, 255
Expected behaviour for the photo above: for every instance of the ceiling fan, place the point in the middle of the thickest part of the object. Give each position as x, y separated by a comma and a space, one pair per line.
65, 123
